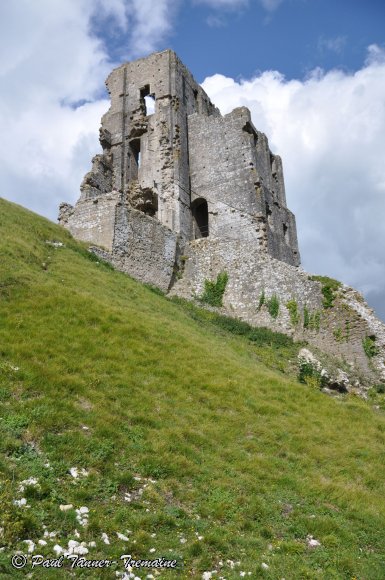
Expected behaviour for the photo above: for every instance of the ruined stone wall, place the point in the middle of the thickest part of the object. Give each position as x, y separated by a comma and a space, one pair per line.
142, 247
181, 171
93, 220
161, 136
232, 167
338, 331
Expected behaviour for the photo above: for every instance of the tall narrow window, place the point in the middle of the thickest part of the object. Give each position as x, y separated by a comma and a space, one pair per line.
148, 100
184, 97
133, 159
200, 217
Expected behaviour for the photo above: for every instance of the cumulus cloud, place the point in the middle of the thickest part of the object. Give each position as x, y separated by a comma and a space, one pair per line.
52, 72
151, 23
329, 130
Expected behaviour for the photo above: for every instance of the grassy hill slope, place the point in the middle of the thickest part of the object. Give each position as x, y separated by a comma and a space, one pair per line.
184, 442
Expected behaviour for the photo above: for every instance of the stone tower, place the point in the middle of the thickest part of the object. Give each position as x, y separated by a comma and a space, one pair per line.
182, 194
173, 169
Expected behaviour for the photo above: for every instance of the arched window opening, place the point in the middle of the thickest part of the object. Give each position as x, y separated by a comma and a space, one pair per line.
201, 218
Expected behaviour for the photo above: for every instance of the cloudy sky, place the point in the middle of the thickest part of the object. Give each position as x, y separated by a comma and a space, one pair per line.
312, 73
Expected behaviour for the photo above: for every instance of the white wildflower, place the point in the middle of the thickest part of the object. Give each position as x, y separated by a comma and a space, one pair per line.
32, 482
264, 566
122, 537
31, 545
105, 538
81, 550
72, 544
82, 515
57, 549
312, 542
20, 502
66, 507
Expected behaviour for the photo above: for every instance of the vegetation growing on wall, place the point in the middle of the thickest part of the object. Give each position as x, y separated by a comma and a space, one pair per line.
311, 320
292, 307
342, 335
273, 306
369, 345
262, 300
213, 293
329, 289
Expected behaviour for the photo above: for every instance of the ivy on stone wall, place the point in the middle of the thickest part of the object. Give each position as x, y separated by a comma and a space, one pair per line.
369, 346
292, 307
213, 292
271, 303
273, 306
262, 300
329, 289
311, 320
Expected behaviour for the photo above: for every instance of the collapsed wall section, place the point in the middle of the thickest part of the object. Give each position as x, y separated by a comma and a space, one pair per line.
340, 329
233, 169
142, 248
92, 220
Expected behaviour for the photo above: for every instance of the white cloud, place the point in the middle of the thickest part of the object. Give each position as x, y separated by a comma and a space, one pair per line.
270, 5
334, 44
329, 130
50, 61
152, 22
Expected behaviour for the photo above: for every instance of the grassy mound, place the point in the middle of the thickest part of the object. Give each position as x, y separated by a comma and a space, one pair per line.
164, 423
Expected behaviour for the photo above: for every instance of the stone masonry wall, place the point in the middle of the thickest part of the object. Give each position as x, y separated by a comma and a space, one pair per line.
93, 220
179, 171
232, 168
340, 330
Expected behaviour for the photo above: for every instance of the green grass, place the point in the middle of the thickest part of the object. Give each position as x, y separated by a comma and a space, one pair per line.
101, 373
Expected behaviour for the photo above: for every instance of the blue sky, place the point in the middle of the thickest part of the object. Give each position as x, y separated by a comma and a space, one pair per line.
240, 38
312, 73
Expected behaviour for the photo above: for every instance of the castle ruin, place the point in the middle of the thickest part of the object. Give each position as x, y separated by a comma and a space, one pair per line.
181, 193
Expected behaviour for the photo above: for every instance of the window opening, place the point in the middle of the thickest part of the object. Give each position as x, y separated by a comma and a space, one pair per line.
201, 218
147, 100
134, 159
184, 91
268, 214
